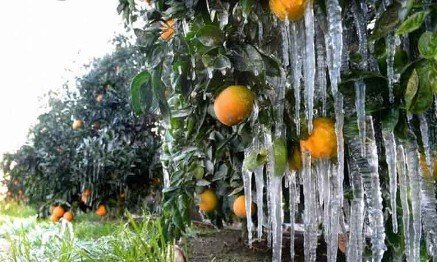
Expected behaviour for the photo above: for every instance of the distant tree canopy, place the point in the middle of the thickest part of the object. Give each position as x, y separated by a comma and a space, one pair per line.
89, 139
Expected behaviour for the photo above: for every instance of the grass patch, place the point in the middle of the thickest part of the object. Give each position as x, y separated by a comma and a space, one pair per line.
14, 209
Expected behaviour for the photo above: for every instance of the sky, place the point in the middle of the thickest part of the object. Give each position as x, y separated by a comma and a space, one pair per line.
40, 39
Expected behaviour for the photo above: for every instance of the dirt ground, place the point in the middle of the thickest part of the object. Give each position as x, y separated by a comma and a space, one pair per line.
227, 245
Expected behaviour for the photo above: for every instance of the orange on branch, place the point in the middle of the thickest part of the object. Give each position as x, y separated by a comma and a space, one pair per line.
208, 201
292, 10
322, 143
234, 105
167, 29
239, 207
68, 216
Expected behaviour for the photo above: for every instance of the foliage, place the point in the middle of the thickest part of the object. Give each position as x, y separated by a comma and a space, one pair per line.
113, 154
86, 241
218, 43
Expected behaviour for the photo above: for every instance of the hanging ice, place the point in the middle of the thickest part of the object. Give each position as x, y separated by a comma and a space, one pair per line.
275, 191
285, 43
391, 76
310, 218
334, 47
259, 180
373, 195
403, 188
360, 105
424, 132
390, 158
297, 42
292, 202
247, 184
309, 69
356, 220
412, 157
321, 68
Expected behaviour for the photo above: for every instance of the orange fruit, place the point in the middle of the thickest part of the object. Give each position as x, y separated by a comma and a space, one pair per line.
239, 207
322, 143
99, 98
101, 210
58, 211
167, 29
292, 10
208, 201
68, 216
54, 218
77, 124
234, 105
295, 160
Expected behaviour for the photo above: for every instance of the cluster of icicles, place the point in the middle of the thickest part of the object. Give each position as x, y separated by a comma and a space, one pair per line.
359, 221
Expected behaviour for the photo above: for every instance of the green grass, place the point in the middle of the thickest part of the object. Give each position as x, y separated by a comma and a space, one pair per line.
14, 209
88, 238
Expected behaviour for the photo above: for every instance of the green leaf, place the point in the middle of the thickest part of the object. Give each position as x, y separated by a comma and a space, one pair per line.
139, 93
412, 23
247, 59
281, 156
255, 159
428, 45
412, 86
210, 35
247, 6
423, 98
390, 119
387, 22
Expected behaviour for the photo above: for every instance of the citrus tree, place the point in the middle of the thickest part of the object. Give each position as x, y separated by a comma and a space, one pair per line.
364, 71
89, 141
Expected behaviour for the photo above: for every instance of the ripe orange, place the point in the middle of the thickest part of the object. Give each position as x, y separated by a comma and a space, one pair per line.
77, 124
99, 98
167, 29
239, 207
58, 211
54, 218
208, 201
101, 210
292, 10
68, 216
295, 160
234, 105
323, 140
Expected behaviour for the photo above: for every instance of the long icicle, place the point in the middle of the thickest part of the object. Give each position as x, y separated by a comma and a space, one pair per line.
310, 219
259, 181
297, 71
390, 158
292, 205
412, 157
247, 185
309, 68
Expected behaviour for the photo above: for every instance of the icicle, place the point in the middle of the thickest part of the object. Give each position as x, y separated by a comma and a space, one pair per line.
260, 31
259, 180
424, 132
360, 105
321, 69
356, 220
247, 184
391, 49
334, 215
339, 123
269, 173
361, 26
309, 68
296, 58
390, 158
223, 16
373, 196
293, 195
412, 157
285, 43
403, 187
275, 190
310, 218
335, 43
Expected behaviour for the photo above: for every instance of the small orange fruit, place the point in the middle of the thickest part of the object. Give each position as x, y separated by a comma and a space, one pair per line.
323, 140
68, 216
54, 218
77, 124
292, 10
101, 210
58, 211
208, 201
234, 105
239, 207
167, 29
99, 98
